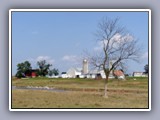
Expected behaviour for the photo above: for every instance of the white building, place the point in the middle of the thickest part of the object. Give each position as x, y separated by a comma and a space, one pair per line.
85, 66
79, 72
99, 73
96, 73
74, 72
64, 75
139, 74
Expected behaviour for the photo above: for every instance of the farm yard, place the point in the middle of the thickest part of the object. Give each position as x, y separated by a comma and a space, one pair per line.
96, 61
79, 93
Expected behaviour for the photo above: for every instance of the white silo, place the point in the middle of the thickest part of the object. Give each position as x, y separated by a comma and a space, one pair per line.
110, 65
85, 66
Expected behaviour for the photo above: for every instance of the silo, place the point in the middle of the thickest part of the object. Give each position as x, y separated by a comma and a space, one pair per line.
110, 65
85, 66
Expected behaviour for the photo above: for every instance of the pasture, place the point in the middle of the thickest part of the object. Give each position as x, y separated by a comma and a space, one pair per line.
80, 93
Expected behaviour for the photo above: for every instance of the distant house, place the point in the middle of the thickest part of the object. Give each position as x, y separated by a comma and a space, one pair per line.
139, 74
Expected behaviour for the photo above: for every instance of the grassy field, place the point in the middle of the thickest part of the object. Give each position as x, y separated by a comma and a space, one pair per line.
80, 93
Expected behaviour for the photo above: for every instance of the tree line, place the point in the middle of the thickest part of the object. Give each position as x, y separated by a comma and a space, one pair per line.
44, 69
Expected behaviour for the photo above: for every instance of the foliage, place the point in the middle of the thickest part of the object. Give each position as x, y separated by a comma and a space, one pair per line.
43, 68
53, 72
146, 68
23, 68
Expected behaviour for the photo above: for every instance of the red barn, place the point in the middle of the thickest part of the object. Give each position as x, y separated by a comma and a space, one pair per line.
32, 73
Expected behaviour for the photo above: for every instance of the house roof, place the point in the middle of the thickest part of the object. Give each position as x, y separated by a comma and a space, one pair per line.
76, 69
118, 73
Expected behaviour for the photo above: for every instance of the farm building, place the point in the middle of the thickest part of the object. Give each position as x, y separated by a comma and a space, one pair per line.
64, 75
100, 73
139, 74
84, 72
85, 67
119, 74
74, 72
94, 74
79, 72
32, 73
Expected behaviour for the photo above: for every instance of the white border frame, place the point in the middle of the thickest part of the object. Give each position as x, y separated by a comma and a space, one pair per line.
80, 10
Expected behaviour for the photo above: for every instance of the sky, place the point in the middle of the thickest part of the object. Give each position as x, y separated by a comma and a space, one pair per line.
61, 38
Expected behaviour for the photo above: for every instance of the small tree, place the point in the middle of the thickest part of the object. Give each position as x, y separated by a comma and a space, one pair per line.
43, 67
23, 69
50, 72
146, 68
53, 72
117, 45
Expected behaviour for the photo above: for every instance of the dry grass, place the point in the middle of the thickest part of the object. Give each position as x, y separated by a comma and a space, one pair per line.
47, 99
85, 94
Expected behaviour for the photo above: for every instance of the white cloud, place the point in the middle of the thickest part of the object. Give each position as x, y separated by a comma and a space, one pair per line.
117, 39
70, 58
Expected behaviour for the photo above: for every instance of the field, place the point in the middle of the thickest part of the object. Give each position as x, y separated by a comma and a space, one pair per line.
80, 93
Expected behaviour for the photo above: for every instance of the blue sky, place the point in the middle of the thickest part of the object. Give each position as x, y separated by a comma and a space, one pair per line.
61, 37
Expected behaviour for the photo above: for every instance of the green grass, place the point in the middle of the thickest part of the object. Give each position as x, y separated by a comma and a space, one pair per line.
82, 83
83, 93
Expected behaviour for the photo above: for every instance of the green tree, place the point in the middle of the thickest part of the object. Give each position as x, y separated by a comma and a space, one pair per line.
23, 69
53, 72
146, 68
43, 67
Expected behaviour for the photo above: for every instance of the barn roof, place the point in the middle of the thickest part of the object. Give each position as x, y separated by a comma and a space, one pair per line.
76, 69
118, 73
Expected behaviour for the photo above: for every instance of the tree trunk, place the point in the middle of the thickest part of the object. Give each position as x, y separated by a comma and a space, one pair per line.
105, 87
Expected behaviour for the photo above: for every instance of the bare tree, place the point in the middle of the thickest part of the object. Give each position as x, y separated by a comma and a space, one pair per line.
116, 44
